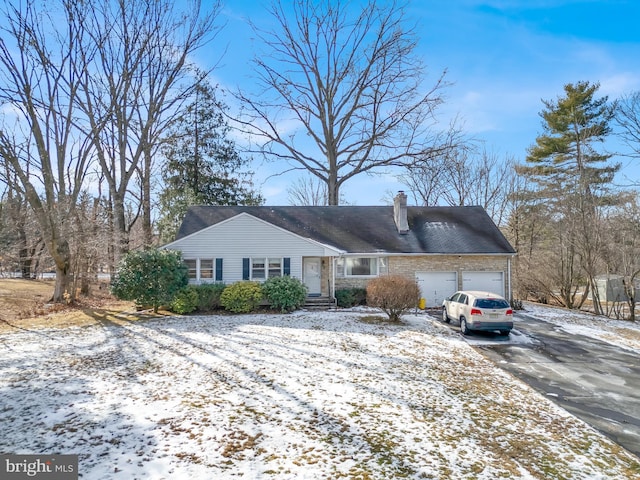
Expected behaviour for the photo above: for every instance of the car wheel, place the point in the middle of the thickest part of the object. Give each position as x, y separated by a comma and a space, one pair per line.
445, 317
463, 326
505, 333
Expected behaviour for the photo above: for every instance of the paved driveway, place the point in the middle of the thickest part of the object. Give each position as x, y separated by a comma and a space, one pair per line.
595, 381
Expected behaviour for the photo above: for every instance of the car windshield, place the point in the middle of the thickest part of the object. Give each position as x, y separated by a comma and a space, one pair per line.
491, 303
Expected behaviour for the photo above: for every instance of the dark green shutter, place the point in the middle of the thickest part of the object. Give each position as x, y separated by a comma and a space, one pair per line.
286, 264
245, 268
218, 269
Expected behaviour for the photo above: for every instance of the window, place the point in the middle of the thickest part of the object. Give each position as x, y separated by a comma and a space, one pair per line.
275, 267
206, 268
361, 266
258, 268
192, 265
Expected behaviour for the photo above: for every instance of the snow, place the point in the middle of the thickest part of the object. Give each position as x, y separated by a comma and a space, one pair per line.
307, 395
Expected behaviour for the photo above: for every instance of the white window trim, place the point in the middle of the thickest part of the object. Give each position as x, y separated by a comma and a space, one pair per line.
266, 268
379, 260
197, 260
199, 278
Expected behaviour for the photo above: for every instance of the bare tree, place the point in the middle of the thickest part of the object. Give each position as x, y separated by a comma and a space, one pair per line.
628, 119
426, 178
342, 94
139, 79
307, 191
21, 241
623, 240
485, 179
464, 175
39, 70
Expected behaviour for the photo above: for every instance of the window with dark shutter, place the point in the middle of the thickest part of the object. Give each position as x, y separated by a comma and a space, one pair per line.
286, 266
246, 265
218, 269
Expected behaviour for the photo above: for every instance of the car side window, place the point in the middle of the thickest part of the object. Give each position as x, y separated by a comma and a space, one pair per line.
455, 297
463, 299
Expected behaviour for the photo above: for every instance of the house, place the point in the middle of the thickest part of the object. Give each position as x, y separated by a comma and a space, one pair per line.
332, 247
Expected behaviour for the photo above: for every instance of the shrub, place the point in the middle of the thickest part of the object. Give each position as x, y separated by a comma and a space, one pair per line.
150, 277
285, 293
393, 294
209, 296
185, 301
350, 297
241, 297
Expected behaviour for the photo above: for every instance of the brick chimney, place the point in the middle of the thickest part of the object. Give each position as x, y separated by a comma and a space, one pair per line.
400, 213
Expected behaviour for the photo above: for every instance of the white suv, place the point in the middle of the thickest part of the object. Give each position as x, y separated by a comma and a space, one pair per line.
478, 311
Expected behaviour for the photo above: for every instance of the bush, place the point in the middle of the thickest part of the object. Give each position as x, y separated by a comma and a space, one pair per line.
150, 277
285, 293
241, 297
393, 294
351, 297
209, 296
185, 301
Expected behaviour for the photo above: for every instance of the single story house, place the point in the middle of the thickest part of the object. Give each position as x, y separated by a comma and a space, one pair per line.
332, 247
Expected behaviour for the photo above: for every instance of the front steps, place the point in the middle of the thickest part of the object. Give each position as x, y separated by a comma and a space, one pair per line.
319, 303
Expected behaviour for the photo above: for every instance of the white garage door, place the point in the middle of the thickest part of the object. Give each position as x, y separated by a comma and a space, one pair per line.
484, 281
436, 286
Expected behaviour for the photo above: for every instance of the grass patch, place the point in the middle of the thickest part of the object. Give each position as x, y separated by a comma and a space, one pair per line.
376, 320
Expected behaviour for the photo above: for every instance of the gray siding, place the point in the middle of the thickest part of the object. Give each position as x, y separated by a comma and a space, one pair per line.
246, 236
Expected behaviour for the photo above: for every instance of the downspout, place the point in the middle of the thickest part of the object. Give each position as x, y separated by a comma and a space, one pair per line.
509, 280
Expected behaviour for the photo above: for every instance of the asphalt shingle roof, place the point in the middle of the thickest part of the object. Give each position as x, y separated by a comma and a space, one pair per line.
356, 229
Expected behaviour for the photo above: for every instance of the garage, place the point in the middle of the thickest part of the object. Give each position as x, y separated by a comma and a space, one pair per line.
436, 286
485, 281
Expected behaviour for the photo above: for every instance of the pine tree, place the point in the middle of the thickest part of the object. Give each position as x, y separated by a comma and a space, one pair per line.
203, 166
574, 180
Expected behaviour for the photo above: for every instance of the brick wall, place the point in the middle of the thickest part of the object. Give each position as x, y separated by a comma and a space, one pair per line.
409, 265
351, 282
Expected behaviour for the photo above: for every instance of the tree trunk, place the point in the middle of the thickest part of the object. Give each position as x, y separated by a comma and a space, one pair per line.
121, 235
146, 200
25, 258
62, 257
629, 290
333, 189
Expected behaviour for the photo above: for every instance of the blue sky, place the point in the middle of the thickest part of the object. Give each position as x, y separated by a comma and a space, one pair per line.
502, 57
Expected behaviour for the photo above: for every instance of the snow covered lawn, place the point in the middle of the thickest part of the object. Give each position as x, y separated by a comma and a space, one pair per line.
314, 395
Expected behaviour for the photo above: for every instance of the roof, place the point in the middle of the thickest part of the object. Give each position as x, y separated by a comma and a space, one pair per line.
363, 229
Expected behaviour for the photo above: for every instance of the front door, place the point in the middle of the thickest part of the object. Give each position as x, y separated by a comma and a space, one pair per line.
312, 267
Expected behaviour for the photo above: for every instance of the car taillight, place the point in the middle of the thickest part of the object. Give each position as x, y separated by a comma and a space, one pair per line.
475, 311
509, 312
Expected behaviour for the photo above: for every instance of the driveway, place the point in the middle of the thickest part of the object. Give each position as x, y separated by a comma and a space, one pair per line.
595, 381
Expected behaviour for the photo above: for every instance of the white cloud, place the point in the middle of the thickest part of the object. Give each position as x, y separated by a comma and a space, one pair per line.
619, 84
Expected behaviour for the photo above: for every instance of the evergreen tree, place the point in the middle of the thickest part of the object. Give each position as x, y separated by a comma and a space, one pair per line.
574, 180
202, 165
150, 277
564, 158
